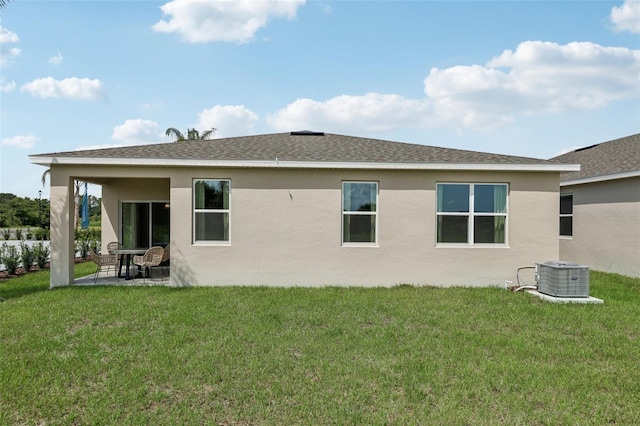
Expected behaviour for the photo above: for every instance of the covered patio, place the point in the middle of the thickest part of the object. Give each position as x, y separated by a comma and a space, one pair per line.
135, 212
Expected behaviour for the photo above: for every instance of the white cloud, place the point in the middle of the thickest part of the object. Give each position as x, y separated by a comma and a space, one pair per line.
7, 54
137, 132
56, 60
7, 36
8, 86
200, 21
626, 17
539, 77
21, 142
229, 120
536, 78
82, 89
353, 114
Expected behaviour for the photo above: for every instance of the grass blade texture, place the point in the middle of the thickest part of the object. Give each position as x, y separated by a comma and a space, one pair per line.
235, 355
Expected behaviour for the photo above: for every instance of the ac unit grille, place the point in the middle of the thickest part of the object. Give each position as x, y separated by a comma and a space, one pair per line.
562, 279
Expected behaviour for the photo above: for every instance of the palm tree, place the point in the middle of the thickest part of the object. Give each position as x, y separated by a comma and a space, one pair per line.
45, 174
192, 134
3, 3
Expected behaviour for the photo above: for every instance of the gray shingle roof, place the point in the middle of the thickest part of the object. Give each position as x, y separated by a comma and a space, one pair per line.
604, 159
295, 147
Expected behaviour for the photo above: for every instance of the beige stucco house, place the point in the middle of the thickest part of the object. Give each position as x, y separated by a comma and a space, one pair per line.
600, 206
315, 209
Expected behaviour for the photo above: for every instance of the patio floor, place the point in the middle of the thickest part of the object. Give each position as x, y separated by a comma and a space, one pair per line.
158, 277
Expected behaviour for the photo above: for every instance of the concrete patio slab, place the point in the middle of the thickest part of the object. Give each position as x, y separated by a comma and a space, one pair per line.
109, 279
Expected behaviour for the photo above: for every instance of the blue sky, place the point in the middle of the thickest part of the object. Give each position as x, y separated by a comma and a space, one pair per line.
531, 78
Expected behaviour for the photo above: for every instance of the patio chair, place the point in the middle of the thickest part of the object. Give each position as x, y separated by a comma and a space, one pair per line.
102, 260
111, 248
152, 257
164, 263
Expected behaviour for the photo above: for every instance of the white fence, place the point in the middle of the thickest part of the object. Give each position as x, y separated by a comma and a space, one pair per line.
16, 243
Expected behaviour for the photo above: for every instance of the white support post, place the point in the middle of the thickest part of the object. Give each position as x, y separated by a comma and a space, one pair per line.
62, 232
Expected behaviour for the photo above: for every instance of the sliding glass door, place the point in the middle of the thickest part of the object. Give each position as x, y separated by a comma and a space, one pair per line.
144, 224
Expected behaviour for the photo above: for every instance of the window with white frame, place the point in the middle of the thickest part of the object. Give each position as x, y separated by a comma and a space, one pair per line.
471, 213
359, 212
566, 215
211, 210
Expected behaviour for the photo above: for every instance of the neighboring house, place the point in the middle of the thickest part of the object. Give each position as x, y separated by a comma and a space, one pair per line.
314, 209
600, 206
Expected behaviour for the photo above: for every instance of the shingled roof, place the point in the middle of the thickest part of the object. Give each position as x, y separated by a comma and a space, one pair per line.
301, 146
606, 159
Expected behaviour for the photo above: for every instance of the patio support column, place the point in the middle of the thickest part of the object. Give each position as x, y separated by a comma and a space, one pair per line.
62, 232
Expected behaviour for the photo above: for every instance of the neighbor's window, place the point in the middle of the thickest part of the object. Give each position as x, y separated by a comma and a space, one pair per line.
359, 212
211, 210
471, 213
566, 215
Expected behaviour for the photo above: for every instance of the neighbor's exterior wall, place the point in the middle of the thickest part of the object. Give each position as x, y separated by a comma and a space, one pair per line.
285, 226
285, 229
606, 226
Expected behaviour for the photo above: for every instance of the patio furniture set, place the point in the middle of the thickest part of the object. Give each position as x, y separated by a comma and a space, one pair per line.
141, 258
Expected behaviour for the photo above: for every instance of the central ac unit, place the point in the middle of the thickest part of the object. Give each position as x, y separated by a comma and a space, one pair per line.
562, 279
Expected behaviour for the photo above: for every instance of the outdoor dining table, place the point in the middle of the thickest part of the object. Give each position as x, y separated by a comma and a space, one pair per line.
127, 253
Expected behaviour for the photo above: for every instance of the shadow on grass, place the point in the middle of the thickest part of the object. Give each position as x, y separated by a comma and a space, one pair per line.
35, 282
24, 285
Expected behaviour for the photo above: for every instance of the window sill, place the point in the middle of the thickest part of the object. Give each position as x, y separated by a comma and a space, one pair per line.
211, 243
566, 237
365, 245
472, 246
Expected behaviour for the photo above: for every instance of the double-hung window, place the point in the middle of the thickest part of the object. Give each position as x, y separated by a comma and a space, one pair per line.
471, 213
566, 215
211, 210
359, 212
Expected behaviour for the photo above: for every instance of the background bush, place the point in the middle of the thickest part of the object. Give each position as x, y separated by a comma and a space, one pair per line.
27, 256
10, 258
41, 254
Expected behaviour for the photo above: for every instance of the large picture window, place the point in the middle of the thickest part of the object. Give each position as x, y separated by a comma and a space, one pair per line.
566, 215
211, 210
359, 212
471, 213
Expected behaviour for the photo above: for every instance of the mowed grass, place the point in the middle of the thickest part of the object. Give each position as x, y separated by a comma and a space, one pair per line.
405, 355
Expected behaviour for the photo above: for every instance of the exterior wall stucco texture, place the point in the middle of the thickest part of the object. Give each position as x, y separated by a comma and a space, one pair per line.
285, 230
126, 189
606, 226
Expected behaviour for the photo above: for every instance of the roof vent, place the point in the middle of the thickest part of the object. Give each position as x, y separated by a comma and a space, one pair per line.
307, 133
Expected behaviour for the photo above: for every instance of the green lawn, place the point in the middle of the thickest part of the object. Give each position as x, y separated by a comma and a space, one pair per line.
406, 355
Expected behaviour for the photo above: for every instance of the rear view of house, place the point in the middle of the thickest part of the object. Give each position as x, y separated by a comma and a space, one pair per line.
314, 209
600, 206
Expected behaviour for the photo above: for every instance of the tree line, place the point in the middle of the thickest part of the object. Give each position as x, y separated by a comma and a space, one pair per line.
18, 212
